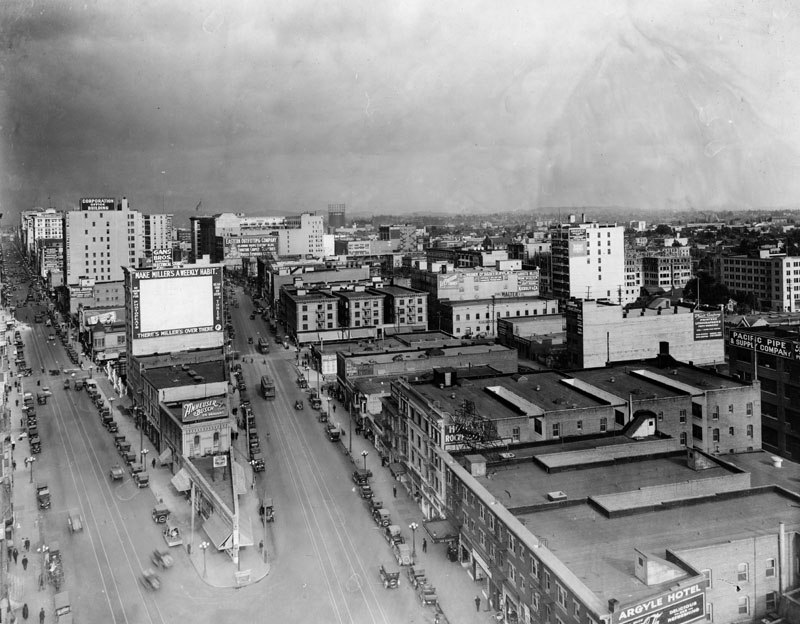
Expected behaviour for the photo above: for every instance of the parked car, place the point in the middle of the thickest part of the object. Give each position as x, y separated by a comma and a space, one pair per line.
116, 473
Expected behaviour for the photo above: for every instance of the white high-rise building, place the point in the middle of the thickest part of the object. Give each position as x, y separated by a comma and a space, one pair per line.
589, 262
40, 224
103, 236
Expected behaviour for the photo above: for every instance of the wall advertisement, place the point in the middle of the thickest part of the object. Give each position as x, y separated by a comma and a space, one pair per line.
680, 606
175, 302
707, 324
779, 347
207, 409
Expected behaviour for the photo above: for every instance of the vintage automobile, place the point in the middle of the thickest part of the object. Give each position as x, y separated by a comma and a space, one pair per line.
267, 511
116, 473
160, 513
361, 476
162, 559
402, 553
150, 579
63, 608
142, 479
75, 522
382, 517
298, 405
392, 535
427, 594
365, 491
416, 576
390, 576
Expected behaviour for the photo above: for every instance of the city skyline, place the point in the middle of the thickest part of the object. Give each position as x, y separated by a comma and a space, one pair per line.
452, 108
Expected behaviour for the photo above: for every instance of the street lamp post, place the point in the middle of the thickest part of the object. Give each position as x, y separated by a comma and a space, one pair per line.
204, 546
144, 459
364, 455
413, 526
29, 461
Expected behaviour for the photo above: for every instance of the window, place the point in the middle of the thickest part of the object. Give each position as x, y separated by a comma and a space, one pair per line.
512, 542
580, 425
730, 430
707, 574
556, 430
682, 417
576, 610
561, 595
491, 522
535, 567
741, 572
744, 605
715, 435
661, 417
770, 571
547, 580
749, 409
684, 438
515, 434
603, 424
482, 512
709, 612
715, 413
730, 409
512, 573
772, 601
535, 601
749, 431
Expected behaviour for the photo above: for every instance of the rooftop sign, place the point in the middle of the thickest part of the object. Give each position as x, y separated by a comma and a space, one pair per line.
679, 606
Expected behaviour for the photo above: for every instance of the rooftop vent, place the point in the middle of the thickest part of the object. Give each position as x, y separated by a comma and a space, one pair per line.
199, 379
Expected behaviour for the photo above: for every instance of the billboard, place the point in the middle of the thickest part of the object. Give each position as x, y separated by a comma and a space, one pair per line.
176, 302
105, 318
779, 347
707, 325
97, 203
206, 409
162, 258
680, 606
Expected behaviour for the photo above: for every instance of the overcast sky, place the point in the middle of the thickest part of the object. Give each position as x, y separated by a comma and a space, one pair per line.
269, 107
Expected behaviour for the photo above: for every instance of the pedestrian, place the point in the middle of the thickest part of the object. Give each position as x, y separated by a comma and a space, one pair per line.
24, 562
41, 616
424, 545
394, 491
261, 546
153, 463
14, 464
13, 445
25, 611
27, 544
334, 408
41, 580
15, 554
477, 603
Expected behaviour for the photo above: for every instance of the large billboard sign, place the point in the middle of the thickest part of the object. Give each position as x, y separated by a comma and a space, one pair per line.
680, 606
779, 347
176, 302
97, 203
707, 325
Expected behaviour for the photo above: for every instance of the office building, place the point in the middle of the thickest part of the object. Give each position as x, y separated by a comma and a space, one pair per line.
773, 277
336, 216
39, 224
588, 262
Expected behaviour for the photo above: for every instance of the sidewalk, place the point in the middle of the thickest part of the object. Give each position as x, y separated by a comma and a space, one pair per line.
26, 586
455, 588
215, 568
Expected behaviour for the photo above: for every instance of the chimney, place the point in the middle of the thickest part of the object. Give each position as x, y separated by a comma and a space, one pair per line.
658, 312
613, 603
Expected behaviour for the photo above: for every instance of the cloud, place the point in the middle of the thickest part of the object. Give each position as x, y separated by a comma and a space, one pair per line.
287, 105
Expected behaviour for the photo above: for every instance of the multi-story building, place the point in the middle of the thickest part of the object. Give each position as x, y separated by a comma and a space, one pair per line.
589, 262
772, 356
599, 333
103, 237
479, 317
275, 274
403, 237
301, 236
50, 260
445, 283
463, 258
405, 309
309, 313
773, 277
39, 224
667, 267
620, 533
634, 279
360, 307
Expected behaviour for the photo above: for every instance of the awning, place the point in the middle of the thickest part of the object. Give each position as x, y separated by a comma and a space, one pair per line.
440, 530
397, 469
219, 531
165, 457
181, 481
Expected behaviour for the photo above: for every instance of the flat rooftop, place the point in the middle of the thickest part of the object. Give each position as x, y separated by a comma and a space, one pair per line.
512, 396
176, 376
526, 484
601, 550
619, 382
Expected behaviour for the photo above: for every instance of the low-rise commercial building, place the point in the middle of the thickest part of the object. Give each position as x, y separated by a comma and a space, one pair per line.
599, 332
